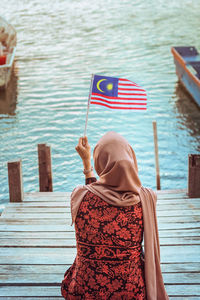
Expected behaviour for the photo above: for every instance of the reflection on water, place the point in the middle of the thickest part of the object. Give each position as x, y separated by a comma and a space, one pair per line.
188, 112
8, 96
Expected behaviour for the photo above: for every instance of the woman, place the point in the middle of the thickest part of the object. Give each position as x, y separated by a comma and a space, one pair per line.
111, 215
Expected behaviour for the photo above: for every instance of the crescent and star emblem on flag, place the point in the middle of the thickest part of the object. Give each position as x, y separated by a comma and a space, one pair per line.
105, 85
109, 86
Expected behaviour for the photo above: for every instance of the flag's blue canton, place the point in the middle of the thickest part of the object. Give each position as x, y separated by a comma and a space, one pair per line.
104, 85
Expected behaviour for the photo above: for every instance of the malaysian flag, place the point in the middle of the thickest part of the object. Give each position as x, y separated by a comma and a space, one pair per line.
117, 93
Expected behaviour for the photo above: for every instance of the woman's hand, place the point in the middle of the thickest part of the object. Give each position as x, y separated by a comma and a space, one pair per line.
83, 149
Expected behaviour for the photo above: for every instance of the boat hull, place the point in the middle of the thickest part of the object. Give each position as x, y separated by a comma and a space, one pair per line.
190, 81
6, 69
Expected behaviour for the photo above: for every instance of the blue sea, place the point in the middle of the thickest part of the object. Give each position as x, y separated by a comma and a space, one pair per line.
60, 44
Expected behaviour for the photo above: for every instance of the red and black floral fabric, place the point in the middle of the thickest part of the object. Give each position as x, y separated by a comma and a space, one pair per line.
109, 262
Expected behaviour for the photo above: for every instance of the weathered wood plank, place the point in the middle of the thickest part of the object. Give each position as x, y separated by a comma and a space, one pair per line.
175, 268
61, 298
54, 291
69, 234
33, 291
39, 204
178, 191
174, 208
36, 227
31, 298
66, 197
44, 242
56, 278
37, 235
183, 290
67, 227
36, 210
67, 214
52, 201
12, 255
46, 199
44, 194
25, 216
66, 242
64, 220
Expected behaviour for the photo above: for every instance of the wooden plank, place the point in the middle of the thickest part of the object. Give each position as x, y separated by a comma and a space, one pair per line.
33, 291
71, 234
39, 204
37, 234
66, 213
67, 242
186, 267
181, 278
30, 298
54, 291
51, 227
50, 208
162, 193
64, 226
7, 269
53, 201
56, 278
25, 216
178, 191
12, 255
34, 210
47, 194
181, 297
44, 242
66, 196
47, 199
183, 290
173, 220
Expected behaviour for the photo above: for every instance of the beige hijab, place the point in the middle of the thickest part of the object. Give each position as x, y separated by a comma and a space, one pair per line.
119, 185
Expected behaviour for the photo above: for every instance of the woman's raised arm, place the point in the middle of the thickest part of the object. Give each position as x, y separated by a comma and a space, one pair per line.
83, 149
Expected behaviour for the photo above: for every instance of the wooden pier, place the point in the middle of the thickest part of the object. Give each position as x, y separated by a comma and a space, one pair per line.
37, 241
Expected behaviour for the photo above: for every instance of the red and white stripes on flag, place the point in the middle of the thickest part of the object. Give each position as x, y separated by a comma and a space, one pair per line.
118, 93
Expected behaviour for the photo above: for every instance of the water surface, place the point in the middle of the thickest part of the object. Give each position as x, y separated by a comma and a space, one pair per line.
60, 44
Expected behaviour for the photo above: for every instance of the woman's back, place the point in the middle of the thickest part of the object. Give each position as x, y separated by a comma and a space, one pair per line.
109, 262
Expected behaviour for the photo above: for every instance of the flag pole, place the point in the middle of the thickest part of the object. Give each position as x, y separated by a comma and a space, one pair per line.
88, 106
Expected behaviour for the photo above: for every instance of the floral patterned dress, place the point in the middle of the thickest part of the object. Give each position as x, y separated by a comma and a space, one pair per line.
109, 263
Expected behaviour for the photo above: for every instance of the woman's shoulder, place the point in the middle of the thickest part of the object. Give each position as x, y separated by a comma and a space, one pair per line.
150, 192
78, 191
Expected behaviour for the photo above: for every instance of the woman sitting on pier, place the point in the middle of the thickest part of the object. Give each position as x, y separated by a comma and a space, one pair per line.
111, 215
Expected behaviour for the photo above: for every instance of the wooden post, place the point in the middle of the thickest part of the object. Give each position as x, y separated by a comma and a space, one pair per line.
45, 170
194, 175
15, 181
156, 155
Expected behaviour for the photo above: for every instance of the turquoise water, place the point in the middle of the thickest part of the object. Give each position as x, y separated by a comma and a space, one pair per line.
60, 44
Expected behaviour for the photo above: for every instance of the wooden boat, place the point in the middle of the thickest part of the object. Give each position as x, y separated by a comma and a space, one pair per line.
7, 51
187, 62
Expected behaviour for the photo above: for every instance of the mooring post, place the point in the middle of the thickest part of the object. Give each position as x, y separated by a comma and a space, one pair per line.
156, 155
15, 181
194, 175
45, 170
